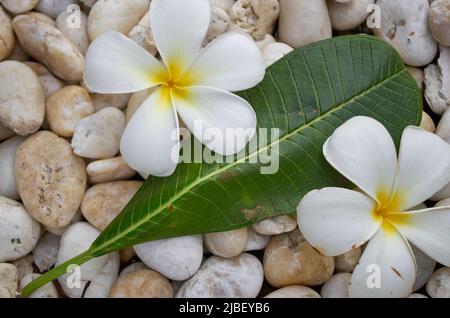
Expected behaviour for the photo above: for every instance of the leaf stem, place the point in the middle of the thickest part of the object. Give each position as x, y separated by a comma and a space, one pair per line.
55, 273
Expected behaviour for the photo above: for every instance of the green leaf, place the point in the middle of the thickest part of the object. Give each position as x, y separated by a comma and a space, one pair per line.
307, 95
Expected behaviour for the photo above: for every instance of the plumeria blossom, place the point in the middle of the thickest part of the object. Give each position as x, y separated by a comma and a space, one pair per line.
191, 82
336, 220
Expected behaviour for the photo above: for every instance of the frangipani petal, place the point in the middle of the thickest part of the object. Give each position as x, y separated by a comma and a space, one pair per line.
363, 151
232, 62
423, 167
116, 64
429, 230
220, 120
150, 143
179, 27
336, 220
387, 267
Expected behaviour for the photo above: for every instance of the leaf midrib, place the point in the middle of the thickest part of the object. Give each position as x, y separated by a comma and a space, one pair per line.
231, 165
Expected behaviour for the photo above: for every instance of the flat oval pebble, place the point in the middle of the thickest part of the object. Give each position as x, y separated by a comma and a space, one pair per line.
50, 179
238, 277
53, 7
176, 258
77, 35
22, 105
255, 241
44, 254
103, 202
19, 6
348, 15
438, 286
19, 232
106, 170
295, 291
337, 286
226, 244
275, 225
142, 283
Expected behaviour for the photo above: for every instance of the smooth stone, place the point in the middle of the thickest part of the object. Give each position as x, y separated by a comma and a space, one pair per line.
404, 25
44, 254
438, 286
142, 34
98, 136
275, 225
437, 82
9, 280
294, 291
103, 202
107, 170
54, 7
77, 35
78, 217
425, 268
132, 268
275, 51
22, 105
19, 232
7, 38
303, 22
226, 244
19, 6
66, 107
418, 75
47, 291
41, 17
254, 17
290, 260
110, 100
49, 46
255, 241
440, 21
8, 150
142, 283
50, 179
219, 24
49, 82
24, 265
176, 258
101, 272
347, 262
427, 123
120, 16
443, 128
238, 277
348, 15
337, 286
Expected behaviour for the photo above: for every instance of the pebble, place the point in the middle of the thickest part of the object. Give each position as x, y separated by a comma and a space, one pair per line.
22, 105
77, 35
254, 17
9, 280
19, 233
110, 100
438, 286
418, 75
103, 202
425, 268
275, 225
142, 34
98, 136
443, 128
106, 170
49, 46
255, 241
132, 268
290, 260
66, 107
6, 35
50, 84
120, 16
440, 21
8, 150
142, 283
437, 83
303, 22
294, 291
44, 254
24, 265
54, 7
427, 123
176, 258
19, 6
348, 15
404, 25
47, 291
275, 51
238, 277
127, 254
50, 179
347, 262
220, 22
337, 286
41, 17
226, 244
101, 271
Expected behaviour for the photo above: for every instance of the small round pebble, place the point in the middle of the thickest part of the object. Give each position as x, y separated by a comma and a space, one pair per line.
275, 225
438, 286
142, 283
106, 170
337, 286
226, 244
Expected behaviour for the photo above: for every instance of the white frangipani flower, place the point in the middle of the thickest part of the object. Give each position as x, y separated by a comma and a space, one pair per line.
191, 82
336, 220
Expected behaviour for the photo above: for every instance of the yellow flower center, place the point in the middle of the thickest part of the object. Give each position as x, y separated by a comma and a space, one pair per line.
389, 209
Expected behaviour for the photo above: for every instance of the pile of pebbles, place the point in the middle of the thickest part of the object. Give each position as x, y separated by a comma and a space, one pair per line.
62, 179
